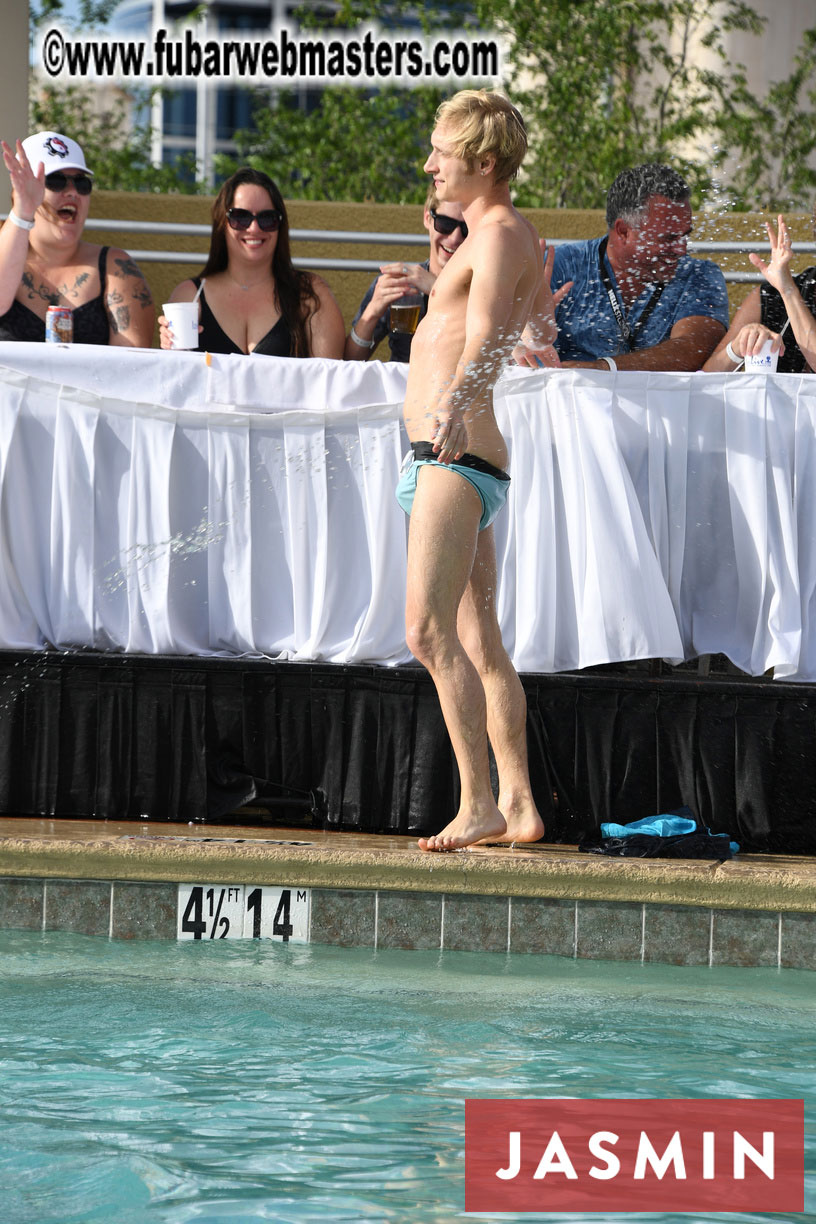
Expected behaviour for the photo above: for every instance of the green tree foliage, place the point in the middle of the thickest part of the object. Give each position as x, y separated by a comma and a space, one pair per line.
118, 154
90, 12
782, 124
350, 147
606, 84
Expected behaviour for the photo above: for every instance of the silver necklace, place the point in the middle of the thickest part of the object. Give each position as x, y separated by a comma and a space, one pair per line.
246, 288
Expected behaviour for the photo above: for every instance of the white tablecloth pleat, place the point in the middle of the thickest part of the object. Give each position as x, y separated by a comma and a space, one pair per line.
152, 502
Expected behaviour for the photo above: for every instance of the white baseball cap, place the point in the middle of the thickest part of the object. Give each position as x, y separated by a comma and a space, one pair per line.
55, 151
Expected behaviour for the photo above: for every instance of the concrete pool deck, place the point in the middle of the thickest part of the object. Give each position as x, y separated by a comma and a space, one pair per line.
122, 879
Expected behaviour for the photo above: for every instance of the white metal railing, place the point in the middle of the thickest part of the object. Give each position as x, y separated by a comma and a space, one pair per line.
340, 237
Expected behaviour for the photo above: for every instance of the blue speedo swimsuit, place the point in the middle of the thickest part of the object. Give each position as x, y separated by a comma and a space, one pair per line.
490, 482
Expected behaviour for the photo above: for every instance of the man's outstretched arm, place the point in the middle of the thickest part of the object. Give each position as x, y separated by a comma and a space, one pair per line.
691, 343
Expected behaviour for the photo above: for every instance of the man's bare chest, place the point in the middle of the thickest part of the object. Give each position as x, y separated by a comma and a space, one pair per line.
451, 291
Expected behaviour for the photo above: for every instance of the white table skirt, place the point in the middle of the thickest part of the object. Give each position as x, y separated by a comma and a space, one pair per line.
152, 503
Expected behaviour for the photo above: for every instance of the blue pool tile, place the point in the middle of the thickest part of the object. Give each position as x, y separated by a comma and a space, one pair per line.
677, 934
144, 911
543, 925
21, 904
610, 930
343, 916
798, 941
749, 938
475, 924
409, 920
83, 906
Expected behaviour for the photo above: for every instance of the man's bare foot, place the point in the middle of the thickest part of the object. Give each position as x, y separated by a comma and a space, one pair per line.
466, 829
522, 820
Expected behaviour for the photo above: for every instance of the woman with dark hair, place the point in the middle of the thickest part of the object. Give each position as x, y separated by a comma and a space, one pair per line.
253, 300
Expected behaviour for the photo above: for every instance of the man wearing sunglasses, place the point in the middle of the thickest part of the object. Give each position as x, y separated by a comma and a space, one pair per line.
447, 230
45, 261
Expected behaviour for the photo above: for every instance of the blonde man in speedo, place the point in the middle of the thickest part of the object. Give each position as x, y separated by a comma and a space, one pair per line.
456, 484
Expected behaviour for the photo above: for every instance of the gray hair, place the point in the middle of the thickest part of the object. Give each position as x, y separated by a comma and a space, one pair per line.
632, 189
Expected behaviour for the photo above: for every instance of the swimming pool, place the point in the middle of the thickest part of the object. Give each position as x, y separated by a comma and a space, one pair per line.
212, 1082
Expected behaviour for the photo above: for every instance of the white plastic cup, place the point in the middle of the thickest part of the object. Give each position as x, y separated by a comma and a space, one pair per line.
182, 320
763, 362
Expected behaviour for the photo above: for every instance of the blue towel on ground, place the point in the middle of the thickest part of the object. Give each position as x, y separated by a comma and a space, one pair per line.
675, 834
656, 826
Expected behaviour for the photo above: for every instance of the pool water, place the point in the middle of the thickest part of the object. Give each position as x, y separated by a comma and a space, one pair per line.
220, 1081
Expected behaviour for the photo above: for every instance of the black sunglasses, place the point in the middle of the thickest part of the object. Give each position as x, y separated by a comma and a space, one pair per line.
446, 225
241, 219
58, 181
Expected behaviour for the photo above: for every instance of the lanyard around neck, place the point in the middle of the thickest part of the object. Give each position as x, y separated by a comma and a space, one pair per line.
630, 335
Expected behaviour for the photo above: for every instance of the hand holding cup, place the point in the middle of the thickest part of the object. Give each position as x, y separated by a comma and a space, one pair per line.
405, 312
178, 325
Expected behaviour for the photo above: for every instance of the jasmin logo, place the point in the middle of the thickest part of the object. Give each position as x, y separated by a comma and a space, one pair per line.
627, 1155
56, 147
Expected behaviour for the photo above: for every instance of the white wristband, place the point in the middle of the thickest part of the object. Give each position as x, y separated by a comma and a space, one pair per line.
19, 222
367, 344
732, 356
611, 363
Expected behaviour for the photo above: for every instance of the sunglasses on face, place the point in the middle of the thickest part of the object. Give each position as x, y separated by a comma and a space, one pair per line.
58, 181
241, 219
446, 225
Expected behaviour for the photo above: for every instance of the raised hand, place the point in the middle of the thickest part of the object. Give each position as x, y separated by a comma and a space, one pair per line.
549, 259
28, 187
777, 271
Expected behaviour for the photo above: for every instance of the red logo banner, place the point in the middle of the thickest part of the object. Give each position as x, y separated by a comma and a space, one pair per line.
634, 1155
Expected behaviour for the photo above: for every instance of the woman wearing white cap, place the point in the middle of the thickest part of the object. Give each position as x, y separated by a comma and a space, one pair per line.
44, 260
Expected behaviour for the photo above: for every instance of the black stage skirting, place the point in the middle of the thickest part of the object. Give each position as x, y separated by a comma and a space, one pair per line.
365, 749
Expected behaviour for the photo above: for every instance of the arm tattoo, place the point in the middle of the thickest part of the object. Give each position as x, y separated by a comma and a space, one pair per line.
139, 291
142, 295
120, 319
127, 267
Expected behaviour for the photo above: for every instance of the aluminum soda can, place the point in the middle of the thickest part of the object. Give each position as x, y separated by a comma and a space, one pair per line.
59, 325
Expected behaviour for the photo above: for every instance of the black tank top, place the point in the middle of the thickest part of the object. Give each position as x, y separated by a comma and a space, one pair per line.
774, 315
91, 322
213, 339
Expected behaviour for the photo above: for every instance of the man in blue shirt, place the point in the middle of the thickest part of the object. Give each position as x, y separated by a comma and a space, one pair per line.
637, 301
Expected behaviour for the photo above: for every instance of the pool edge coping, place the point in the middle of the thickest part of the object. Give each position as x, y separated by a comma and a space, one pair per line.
759, 883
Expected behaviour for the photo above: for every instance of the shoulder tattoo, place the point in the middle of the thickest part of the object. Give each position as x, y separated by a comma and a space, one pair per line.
41, 291
139, 291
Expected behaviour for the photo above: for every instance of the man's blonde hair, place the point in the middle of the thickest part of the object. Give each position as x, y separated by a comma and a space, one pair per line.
480, 124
